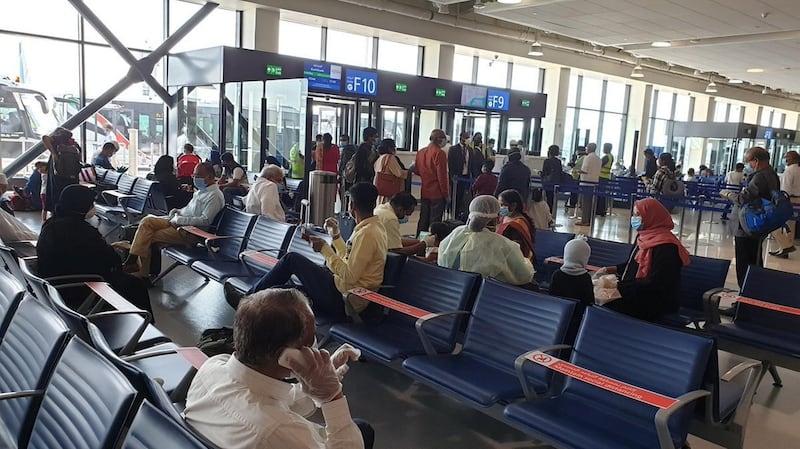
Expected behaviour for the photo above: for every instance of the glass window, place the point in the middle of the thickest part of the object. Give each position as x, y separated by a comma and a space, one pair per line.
296, 39
54, 18
720, 111
398, 57
659, 139
734, 116
218, 28
148, 15
492, 72
33, 60
569, 133
348, 48
612, 132
572, 94
777, 119
591, 93
515, 129
589, 120
682, 106
664, 105
615, 96
766, 117
462, 68
525, 78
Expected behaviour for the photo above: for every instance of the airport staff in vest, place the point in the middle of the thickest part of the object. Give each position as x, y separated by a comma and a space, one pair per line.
605, 175
298, 163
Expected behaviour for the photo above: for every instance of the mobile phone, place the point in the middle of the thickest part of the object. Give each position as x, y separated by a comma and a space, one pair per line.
291, 357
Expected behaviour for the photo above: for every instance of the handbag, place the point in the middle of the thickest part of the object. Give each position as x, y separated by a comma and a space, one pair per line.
762, 216
388, 185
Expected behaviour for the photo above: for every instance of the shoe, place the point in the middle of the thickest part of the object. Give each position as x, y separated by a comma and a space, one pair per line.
724, 217
232, 295
783, 253
788, 250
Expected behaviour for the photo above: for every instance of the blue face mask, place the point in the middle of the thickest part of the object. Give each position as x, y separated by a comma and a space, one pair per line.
748, 170
636, 222
200, 183
504, 212
403, 220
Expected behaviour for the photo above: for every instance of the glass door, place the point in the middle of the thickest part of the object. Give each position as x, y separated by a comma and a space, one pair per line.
395, 122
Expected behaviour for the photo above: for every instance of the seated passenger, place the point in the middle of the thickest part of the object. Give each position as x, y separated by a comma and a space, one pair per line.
474, 248
201, 210
486, 182
437, 232
263, 198
33, 187
358, 263
243, 401
68, 244
392, 215
650, 280
186, 164
572, 280
234, 178
540, 211
164, 173
101, 159
515, 224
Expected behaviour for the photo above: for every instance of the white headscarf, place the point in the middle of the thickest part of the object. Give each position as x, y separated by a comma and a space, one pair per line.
576, 256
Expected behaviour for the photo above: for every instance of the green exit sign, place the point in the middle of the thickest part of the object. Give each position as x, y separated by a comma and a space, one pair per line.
440, 92
274, 70
401, 87
526, 103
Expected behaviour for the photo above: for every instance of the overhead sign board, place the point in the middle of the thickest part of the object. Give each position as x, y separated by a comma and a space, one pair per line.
321, 76
361, 82
497, 100
473, 96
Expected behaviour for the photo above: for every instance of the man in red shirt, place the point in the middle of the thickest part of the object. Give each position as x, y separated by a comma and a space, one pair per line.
186, 164
431, 166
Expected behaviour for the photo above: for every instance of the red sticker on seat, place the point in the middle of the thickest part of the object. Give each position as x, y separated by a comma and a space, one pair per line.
261, 257
194, 230
762, 304
109, 295
397, 306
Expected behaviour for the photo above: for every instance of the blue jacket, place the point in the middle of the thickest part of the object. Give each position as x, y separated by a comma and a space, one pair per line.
33, 188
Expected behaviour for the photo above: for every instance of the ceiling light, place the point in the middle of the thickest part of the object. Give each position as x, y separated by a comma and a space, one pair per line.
479, 4
735, 81
755, 70
661, 44
764, 91
711, 88
509, 2
637, 71
536, 49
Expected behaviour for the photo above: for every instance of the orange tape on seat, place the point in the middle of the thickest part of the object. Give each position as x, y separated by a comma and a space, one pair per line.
560, 261
397, 306
194, 356
261, 257
762, 304
601, 381
194, 230
110, 296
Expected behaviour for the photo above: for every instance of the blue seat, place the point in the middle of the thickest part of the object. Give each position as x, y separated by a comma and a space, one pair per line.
548, 244
34, 341
11, 292
506, 322
702, 274
428, 287
233, 225
606, 253
394, 266
581, 416
152, 429
760, 333
267, 236
85, 404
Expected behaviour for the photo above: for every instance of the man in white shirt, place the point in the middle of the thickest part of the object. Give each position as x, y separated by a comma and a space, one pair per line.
392, 215
590, 175
733, 184
790, 183
242, 401
263, 198
200, 212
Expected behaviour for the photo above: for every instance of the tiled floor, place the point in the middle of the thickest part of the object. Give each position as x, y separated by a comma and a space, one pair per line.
407, 414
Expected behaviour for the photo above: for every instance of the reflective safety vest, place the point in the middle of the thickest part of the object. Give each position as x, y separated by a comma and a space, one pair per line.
605, 169
576, 170
298, 167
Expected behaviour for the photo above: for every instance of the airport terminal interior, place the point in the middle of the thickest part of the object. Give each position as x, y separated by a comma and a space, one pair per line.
695, 84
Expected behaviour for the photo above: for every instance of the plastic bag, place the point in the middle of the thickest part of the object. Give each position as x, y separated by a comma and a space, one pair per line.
605, 289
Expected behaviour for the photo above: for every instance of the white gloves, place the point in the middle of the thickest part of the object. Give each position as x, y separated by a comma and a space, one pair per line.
315, 371
341, 356
331, 226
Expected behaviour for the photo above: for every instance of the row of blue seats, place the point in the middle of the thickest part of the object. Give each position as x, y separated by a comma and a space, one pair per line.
124, 199
67, 389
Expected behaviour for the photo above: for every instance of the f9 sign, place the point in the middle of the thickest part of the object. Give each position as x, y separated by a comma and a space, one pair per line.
497, 100
361, 82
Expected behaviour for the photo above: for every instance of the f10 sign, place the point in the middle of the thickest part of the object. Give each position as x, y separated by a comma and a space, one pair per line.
361, 83
497, 100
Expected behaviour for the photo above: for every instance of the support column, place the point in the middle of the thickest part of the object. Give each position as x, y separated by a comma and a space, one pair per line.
447, 54
260, 29
644, 126
553, 122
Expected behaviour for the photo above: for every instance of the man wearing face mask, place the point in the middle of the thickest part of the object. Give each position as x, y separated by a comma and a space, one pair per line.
463, 161
200, 212
68, 244
392, 215
761, 181
431, 166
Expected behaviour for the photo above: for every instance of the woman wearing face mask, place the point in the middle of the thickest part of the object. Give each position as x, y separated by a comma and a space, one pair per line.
390, 175
69, 245
475, 248
515, 224
649, 281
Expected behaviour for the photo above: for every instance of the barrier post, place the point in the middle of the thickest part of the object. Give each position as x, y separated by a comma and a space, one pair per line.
630, 229
593, 209
680, 225
555, 202
697, 228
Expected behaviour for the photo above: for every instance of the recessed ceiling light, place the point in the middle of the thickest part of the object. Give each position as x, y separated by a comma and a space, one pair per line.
755, 70
509, 2
661, 44
735, 81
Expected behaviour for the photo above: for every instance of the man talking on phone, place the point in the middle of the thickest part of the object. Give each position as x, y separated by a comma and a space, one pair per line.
242, 401
357, 263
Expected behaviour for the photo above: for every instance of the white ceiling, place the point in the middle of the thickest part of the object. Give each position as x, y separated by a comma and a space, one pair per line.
740, 38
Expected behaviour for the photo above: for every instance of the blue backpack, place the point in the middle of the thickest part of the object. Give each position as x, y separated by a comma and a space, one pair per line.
766, 215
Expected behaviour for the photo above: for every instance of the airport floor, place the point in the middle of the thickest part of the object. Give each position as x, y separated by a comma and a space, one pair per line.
407, 414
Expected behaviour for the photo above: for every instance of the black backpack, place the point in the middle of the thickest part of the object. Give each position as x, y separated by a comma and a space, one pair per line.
216, 341
66, 154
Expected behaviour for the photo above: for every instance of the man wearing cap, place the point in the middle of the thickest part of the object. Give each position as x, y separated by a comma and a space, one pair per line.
430, 165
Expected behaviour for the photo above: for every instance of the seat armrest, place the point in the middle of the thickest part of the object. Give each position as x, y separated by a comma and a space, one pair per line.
754, 370
663, 415
193, 355
711, 304
133, 339
519, 365
21, 394
197, 232
423, 336
110, 296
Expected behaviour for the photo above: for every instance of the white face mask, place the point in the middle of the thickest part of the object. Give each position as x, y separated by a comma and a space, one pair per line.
90, 213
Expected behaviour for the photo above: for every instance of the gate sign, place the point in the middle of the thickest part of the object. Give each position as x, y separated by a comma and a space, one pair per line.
497, 100
361, 83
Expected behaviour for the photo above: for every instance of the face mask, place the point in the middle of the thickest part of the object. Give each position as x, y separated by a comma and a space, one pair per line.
636, 222
90, 213
200, 183
403, 220
504, 212
748, 170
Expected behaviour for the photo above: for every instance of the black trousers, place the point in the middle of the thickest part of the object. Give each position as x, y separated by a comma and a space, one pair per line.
748, 252
430, 211
550, 194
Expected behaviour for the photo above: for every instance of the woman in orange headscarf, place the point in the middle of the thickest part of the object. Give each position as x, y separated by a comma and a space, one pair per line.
650, 279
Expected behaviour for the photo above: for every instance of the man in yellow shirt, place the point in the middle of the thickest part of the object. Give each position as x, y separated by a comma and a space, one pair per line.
357, 263
392, 215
